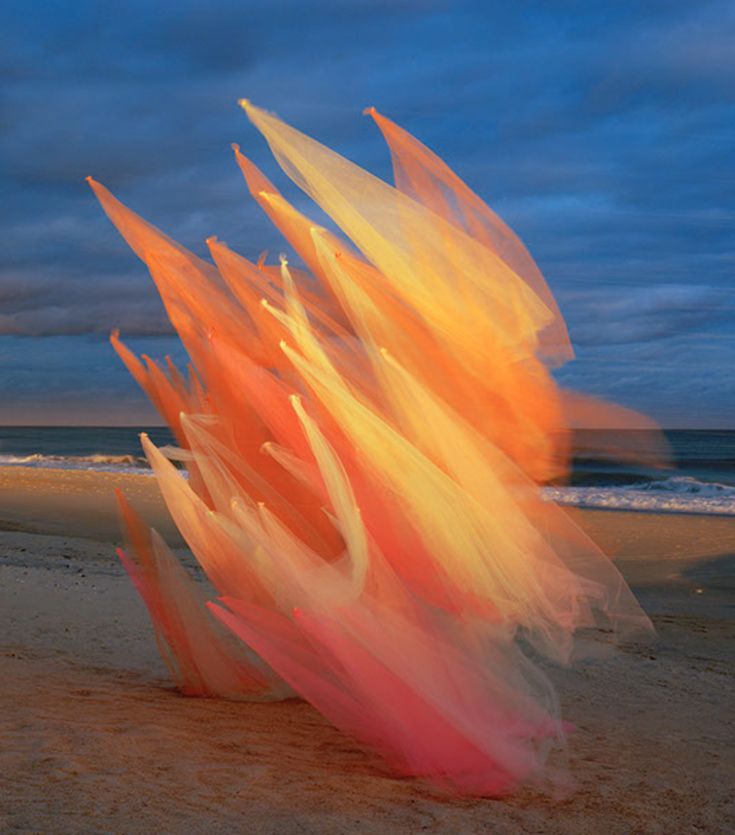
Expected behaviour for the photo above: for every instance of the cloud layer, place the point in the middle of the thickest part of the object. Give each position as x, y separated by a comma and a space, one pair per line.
602, 132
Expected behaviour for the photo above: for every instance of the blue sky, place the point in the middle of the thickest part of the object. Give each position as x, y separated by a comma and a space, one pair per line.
602, 131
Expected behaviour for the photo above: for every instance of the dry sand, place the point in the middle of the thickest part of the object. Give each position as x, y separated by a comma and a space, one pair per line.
94, 739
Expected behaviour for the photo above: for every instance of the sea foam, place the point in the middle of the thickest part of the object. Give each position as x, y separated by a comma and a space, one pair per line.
97, 462
677, 494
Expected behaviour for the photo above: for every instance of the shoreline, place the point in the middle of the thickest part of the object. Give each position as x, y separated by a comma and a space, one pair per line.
96, 738
78, 502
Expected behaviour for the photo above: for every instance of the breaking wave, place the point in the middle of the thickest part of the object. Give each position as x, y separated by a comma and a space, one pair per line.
98, 462
677, 494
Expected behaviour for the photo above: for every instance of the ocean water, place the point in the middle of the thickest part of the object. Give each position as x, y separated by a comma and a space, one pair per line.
104, 448
701, 479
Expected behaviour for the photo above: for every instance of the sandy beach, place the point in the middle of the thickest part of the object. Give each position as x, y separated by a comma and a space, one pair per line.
95, 739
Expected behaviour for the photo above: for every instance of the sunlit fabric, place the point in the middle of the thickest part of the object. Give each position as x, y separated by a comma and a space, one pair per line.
364, 436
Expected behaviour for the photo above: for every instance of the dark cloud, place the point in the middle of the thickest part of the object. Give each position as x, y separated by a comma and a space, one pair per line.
602, 132
647, 315
38, 308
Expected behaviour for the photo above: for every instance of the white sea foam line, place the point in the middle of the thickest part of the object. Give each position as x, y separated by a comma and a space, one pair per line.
93, 463
679, 494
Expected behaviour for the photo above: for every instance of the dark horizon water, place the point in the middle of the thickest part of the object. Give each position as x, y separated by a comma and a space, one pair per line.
702, 478
706, 454
70, 442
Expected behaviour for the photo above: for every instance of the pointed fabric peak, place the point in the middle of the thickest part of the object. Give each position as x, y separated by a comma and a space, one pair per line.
141, 236
254, 177
430, 262
421, 174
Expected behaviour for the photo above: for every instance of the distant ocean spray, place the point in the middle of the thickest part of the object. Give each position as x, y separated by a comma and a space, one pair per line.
702, 479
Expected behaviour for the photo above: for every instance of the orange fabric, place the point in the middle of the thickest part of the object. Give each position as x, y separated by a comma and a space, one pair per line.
364, 441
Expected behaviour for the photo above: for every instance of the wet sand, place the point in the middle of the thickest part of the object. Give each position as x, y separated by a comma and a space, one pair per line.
95, 739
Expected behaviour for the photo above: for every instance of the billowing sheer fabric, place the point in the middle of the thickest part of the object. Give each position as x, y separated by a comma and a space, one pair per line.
364, 436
